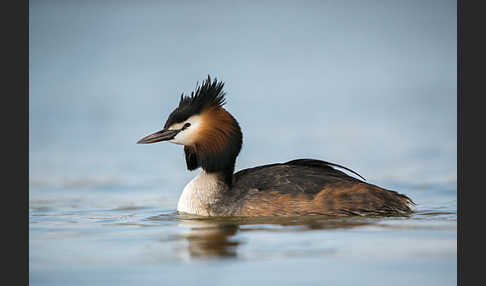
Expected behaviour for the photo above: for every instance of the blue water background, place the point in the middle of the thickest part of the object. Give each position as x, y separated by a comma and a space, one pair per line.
370, 85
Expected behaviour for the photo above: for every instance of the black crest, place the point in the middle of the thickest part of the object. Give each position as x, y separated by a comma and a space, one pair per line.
210, 93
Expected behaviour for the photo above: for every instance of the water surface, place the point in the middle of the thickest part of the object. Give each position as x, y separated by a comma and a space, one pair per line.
98, 237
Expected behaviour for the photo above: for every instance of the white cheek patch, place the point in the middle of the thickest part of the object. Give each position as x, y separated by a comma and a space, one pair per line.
176, 126
188, 135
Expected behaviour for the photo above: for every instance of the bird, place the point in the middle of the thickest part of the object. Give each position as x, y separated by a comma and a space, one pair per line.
212, 139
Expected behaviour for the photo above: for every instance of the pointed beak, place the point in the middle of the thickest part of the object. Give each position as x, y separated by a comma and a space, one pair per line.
162, 135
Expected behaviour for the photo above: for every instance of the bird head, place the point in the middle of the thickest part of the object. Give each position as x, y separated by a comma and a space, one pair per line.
211, 136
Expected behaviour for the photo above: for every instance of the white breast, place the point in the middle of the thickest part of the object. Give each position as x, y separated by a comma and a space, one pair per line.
199, 194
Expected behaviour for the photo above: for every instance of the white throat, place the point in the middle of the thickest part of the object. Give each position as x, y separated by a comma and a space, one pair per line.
198, 195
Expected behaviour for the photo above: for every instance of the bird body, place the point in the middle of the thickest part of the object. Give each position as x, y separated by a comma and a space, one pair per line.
212, 140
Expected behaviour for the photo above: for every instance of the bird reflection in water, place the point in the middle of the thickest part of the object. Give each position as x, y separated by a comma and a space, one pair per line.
216, 237
208, 239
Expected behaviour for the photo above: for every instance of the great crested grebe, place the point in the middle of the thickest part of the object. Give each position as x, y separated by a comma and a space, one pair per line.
212, 139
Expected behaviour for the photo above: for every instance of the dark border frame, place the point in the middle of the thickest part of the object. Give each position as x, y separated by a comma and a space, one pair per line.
15, 140
459, 141
470, 143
